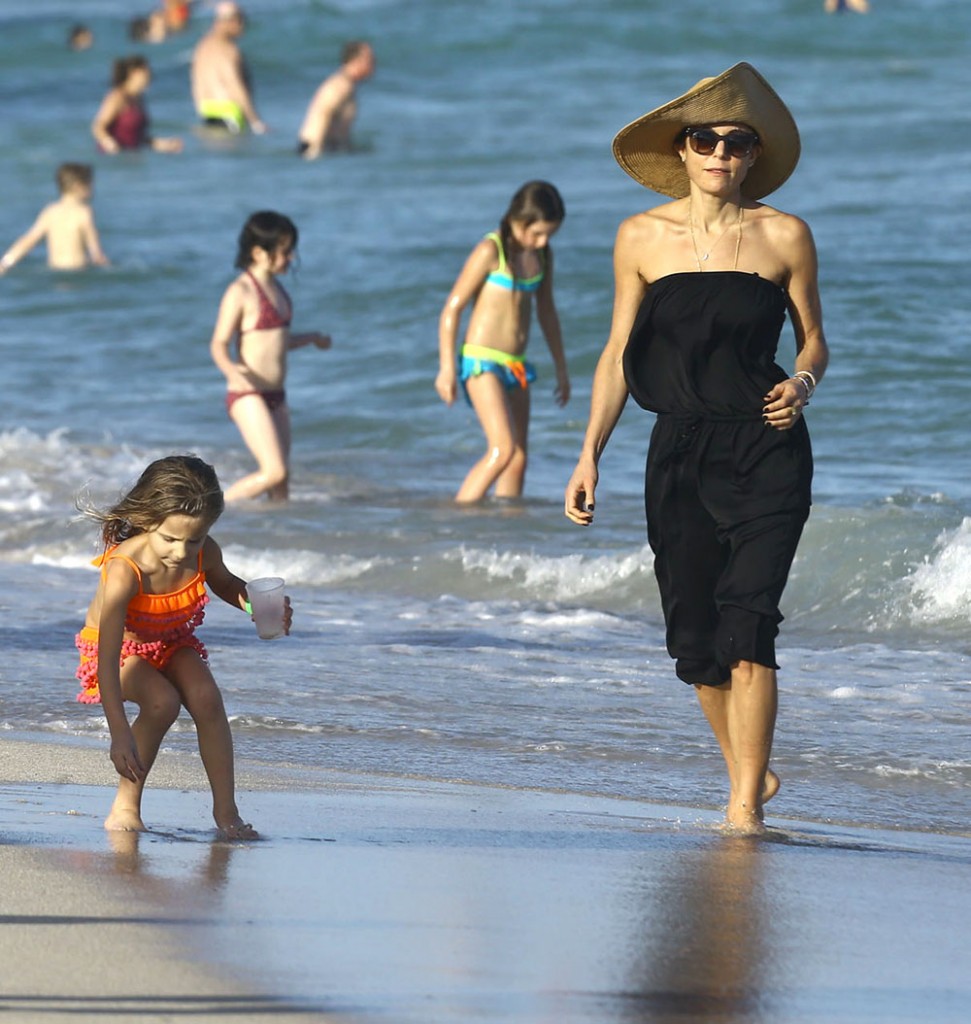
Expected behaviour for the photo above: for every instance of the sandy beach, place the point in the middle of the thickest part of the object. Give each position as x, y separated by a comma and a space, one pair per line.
399, 899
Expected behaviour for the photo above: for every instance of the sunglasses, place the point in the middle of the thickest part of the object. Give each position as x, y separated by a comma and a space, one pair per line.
704, 141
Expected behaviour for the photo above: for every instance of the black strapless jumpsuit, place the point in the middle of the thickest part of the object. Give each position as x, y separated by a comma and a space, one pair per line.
726, 496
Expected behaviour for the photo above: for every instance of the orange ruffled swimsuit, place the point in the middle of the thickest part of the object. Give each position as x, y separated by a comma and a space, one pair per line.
162, 623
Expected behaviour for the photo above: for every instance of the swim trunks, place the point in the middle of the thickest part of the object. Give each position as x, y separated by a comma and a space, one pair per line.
513, 371
159, 624
273, 399
223, 114
726, 497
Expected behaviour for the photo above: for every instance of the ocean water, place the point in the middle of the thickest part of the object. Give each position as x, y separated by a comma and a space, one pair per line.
499, 644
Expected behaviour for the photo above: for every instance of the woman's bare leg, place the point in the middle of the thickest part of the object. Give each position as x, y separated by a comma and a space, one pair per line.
729, 713
714, 703
751, 726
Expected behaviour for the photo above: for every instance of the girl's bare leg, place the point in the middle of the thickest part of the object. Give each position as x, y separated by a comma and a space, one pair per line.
190, 675
261, 434
509, 483
489, 399
158, 707
281, 420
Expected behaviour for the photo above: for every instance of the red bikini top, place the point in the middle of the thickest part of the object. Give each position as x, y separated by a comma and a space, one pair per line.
269, 316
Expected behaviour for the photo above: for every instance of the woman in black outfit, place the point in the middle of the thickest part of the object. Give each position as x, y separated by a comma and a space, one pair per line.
702, 288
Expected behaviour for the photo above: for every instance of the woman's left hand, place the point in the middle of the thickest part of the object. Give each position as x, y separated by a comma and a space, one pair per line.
784, 404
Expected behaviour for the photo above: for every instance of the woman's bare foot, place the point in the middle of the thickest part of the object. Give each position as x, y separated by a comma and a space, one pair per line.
771, 785
743, 821
124, 819
236, 829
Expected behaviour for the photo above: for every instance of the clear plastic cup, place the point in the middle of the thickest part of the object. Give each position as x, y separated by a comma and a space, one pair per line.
267, 601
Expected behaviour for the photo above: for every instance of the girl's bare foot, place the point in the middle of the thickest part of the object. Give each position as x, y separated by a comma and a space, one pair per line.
236, 829
124, 819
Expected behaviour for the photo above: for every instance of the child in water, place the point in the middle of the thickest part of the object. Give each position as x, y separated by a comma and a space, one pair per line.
138, 642
255, 312
67, 225
499, 278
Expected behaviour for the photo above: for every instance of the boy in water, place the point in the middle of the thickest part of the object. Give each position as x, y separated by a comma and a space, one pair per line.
67, 225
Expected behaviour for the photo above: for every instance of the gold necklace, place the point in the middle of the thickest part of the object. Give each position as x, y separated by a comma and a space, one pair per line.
694, 242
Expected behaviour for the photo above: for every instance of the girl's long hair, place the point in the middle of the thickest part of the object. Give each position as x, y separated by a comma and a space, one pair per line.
536, 200
264, 229
176, 485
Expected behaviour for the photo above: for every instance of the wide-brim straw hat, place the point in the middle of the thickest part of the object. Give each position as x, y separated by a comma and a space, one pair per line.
646, 148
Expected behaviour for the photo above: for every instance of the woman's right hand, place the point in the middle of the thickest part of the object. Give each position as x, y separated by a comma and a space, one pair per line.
580, 493
447, 386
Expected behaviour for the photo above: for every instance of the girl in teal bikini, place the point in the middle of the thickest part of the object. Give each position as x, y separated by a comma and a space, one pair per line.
500, 278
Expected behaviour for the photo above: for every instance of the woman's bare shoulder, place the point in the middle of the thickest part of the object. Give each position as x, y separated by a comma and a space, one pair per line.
648, 225
780, 226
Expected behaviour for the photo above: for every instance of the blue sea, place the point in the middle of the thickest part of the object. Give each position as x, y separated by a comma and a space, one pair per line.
499, 644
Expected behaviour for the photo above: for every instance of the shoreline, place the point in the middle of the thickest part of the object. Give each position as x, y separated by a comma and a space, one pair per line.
32, 758
414, 900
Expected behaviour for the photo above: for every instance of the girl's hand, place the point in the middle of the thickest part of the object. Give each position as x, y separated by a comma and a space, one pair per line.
784, 404
320, 340
124, 756
446, 386
239, 380
580, 493
562, 390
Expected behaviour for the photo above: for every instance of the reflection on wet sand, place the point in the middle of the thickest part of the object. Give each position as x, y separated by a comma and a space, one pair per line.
130, 859
708, 942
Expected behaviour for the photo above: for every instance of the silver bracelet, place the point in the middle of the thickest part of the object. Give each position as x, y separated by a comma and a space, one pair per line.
809, 381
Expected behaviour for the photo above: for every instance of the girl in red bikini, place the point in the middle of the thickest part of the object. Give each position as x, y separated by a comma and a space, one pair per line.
255, 313
138, 642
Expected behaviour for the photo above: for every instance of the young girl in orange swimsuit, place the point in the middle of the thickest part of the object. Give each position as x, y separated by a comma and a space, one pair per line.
500, 279
138, 642
255, 312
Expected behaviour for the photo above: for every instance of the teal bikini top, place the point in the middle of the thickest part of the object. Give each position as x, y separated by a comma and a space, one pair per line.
503, 276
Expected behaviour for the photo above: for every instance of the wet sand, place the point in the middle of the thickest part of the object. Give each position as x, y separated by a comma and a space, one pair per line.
401, 900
